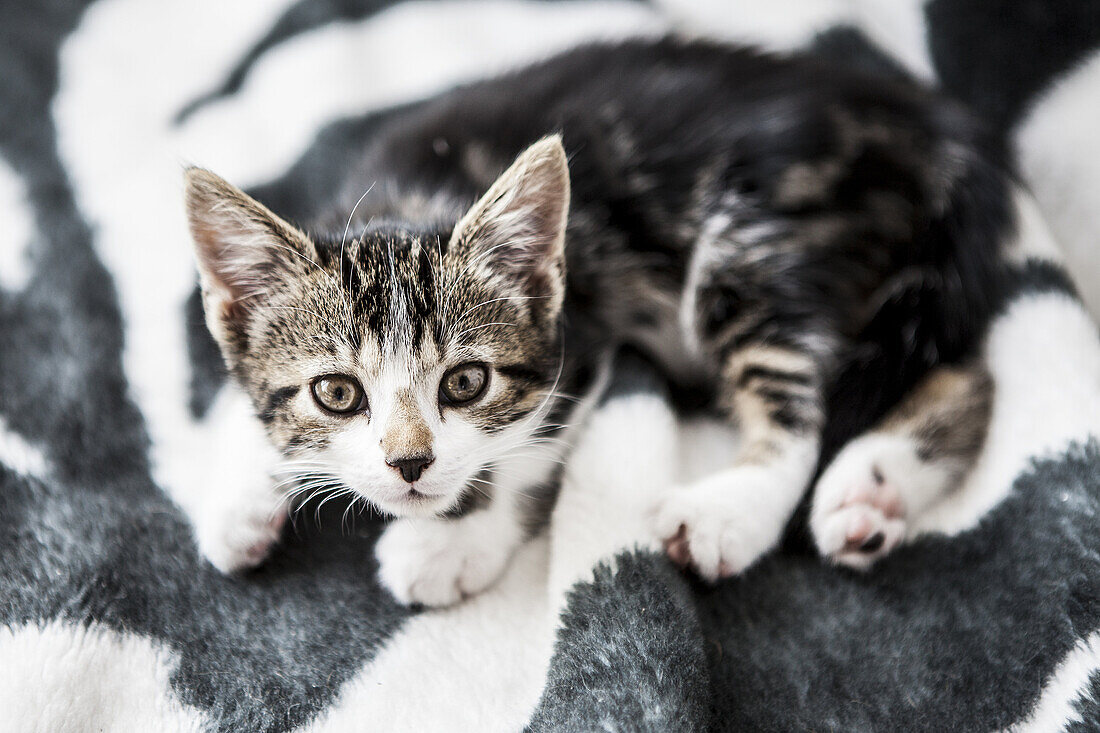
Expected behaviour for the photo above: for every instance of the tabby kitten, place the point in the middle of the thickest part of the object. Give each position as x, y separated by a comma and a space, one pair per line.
742, 218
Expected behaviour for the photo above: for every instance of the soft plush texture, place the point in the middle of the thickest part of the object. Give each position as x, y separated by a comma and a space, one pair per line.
110, 620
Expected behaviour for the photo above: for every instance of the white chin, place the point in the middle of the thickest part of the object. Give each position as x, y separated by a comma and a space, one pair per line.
414, 504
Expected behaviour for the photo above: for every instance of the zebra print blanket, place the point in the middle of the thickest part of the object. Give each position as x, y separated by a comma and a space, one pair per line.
109, 620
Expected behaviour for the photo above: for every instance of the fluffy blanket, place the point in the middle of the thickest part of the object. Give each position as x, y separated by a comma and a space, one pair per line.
989, 618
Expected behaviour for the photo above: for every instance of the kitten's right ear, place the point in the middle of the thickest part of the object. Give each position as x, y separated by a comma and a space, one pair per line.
244, 252
517, 229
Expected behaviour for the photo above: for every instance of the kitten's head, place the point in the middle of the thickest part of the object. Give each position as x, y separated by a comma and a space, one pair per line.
401, 363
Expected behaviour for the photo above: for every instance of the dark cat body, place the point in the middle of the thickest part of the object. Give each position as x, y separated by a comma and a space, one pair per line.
845, 193
798, 244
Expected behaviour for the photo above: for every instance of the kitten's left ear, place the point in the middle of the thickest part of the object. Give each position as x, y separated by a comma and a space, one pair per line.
517, 229
245, 253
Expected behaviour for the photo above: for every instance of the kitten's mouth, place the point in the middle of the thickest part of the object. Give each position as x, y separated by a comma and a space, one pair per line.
417, 500
412, 502
415, 496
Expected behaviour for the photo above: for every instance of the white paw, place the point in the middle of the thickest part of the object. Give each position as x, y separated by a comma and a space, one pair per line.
723, 524
439, 562
859, 512
242, 539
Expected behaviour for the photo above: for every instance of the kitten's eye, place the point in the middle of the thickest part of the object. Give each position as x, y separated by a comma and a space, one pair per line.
463, 383
338, 393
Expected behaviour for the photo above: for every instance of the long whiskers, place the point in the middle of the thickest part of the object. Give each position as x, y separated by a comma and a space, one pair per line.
308, 479
351, 216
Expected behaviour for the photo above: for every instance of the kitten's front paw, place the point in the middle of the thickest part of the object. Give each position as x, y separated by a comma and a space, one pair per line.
858, 514
712, 526
439, 562
241, 540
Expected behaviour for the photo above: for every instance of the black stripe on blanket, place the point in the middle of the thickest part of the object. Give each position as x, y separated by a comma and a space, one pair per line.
629, 655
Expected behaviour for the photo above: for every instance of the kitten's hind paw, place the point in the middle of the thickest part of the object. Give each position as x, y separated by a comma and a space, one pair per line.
712, 526
859, 513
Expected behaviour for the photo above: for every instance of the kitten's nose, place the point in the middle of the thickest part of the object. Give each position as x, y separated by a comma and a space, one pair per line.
410, 467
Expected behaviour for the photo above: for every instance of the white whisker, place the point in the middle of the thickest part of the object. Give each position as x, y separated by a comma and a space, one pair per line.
346, 297
483, 325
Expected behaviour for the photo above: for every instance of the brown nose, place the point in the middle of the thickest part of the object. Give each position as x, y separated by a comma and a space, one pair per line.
411, 467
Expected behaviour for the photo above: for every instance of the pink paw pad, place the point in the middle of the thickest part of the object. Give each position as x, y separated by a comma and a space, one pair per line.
875, 508
865, 522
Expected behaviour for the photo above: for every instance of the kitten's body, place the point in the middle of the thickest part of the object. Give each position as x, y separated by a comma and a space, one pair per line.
741, 218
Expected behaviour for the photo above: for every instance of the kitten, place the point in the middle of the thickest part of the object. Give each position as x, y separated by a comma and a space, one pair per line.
744, 219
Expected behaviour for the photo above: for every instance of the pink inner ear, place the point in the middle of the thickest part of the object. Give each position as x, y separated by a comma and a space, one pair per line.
239, 243
232, 260
526, 243
519, 225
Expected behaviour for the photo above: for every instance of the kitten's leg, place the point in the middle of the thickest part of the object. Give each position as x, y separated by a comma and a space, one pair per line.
225, 483
440, 561
868, 496
723, 523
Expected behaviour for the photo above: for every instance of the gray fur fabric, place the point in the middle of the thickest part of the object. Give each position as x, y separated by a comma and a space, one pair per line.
110, 620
